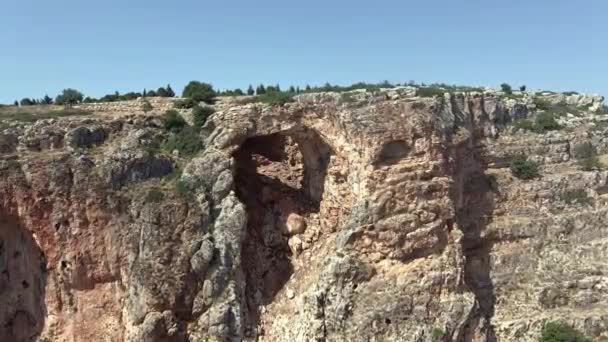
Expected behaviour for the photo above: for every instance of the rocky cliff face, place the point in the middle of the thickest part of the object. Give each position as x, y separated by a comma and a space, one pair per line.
362, 217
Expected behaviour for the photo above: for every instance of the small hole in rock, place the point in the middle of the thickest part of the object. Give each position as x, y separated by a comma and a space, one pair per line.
25, 284
387, 321
64, 264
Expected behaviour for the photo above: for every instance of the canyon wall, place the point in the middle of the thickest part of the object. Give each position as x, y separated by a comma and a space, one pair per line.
371, 216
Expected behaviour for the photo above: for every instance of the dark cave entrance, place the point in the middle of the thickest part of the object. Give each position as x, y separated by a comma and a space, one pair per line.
280, 179
22, 282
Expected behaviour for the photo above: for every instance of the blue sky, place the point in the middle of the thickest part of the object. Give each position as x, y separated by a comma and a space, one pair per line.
103, 46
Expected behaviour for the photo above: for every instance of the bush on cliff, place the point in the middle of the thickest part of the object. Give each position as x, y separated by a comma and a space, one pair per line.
154, 196
438, 334
587, 157
184, 104
591, 164
173, 121
146, 106
523, 168
578, 196
545, 122
187, 141
201, 114
524, 124
560, 332
431, 91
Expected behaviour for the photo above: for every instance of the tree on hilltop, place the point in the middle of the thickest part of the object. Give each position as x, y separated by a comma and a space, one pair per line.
69, 97
506, 88
170, 92
260, 90
200, 92
27, 102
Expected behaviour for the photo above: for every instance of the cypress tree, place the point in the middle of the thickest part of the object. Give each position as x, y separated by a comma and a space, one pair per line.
261, 90
170, 92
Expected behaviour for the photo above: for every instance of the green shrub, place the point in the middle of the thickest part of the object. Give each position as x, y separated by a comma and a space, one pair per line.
587, 157
524, 124
173, 121
184, 104
183, 188
186, 188
545, 122
437, 334
523, 168
347, 98
541, 103
431, 91
154, 196
275, 98
590, 164
201, 114
576, 196
146, 106
560, 332
187, 141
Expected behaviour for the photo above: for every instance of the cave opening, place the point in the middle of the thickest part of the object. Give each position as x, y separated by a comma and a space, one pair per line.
280, 179
22, 282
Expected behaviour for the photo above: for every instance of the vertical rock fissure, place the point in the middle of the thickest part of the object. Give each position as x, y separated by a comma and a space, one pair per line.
473, 198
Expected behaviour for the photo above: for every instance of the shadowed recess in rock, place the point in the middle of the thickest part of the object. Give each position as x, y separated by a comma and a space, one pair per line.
392, 152
22, 282
280, 179
472, 194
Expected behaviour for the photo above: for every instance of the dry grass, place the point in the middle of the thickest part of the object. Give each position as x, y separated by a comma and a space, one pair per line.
38, 112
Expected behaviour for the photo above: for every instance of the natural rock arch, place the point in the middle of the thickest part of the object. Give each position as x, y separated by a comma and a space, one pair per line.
280, 178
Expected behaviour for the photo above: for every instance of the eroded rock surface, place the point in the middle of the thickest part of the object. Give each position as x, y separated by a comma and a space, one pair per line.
387, 217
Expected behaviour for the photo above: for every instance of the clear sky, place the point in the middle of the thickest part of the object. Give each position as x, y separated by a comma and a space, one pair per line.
99, 46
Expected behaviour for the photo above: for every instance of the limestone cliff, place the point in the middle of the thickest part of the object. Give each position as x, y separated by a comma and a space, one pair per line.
366, 216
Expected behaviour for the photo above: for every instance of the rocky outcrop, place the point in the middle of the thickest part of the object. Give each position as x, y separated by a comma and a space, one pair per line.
370, 216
